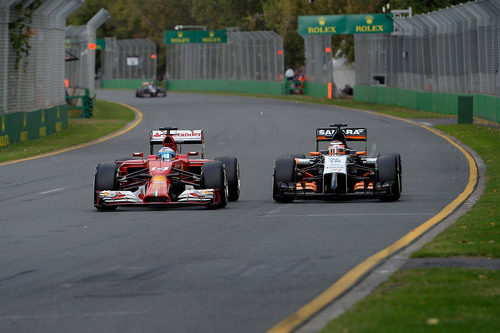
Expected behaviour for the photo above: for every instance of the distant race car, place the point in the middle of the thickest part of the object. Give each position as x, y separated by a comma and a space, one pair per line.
338, 171
150, 89
168, 178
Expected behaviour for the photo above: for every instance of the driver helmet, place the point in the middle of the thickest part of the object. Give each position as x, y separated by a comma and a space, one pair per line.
166, 154
336, 148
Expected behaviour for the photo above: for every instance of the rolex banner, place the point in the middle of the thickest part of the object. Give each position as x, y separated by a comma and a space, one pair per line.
345, 24
195, 36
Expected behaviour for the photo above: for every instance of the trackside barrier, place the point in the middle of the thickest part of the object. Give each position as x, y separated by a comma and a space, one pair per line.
123, 84
87, 103
486, 107
432, 59
22, 126
32, 103
81, 44
249, 87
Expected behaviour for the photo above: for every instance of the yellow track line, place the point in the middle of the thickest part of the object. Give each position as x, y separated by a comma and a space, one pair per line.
138, 119
348, 280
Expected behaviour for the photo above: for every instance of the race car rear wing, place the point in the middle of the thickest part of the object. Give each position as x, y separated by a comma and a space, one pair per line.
180, 137
335, 132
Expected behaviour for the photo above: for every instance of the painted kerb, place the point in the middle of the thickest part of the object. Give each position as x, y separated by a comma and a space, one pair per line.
486, 107
22, 126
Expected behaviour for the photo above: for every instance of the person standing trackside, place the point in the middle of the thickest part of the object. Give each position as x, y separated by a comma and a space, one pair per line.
289, 74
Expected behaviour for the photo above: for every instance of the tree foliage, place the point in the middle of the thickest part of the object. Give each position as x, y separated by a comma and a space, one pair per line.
149, 18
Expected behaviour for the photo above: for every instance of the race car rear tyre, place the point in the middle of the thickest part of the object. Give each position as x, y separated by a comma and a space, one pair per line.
104, 179
389, 170
233, 176
213, 175
297, 155
284, 172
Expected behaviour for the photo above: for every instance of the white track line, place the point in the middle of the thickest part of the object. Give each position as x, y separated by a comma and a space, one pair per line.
51, 191
347, 214
277, 210
63, 315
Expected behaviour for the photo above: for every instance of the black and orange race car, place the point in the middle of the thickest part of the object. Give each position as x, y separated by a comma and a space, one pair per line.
167, 178
337, 171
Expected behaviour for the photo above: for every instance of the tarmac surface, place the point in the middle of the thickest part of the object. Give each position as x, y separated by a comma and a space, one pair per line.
66, 267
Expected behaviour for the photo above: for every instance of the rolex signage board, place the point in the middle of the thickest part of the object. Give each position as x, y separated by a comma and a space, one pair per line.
345, 24
195, 36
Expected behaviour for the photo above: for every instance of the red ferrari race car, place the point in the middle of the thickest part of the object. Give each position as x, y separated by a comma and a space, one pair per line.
168, 178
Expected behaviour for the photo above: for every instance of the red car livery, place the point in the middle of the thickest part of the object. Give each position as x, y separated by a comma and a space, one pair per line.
186, 179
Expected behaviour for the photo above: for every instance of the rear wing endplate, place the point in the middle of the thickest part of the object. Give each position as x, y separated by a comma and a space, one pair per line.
180, 136
341, 134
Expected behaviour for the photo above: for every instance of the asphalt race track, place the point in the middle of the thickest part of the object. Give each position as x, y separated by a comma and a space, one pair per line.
66, 267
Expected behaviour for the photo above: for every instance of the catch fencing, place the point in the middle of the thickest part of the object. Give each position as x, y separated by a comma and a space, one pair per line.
453, 50
128, 59
80, 52
247, 56
37, 81
318, 54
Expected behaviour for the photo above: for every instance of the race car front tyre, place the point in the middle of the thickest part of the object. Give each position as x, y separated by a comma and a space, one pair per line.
213, 175
122, 159
284, 172
233, 176
104, 179
389, 170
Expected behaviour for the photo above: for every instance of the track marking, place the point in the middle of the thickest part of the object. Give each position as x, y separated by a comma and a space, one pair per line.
51, 191
138, 119
347, 214
351, 277
63, 315
425, 123
277, 209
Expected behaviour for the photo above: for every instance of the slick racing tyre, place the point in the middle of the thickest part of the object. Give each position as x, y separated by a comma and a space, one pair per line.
284, 172
213, 175
104, 179
389, 170
297, 155
233, 176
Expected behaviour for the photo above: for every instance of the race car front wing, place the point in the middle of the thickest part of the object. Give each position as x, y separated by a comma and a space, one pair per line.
128, 198
298, 190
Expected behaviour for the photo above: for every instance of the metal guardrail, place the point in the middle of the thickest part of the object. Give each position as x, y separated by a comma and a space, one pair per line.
87, 104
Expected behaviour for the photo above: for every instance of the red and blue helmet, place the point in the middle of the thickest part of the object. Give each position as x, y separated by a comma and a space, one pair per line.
166, 154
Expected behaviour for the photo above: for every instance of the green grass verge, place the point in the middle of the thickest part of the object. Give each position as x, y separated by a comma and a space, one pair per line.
342, 102
428, 300
477, 233
108, 118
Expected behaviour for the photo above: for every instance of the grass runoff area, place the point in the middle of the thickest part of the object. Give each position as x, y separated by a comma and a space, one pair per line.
108, 118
